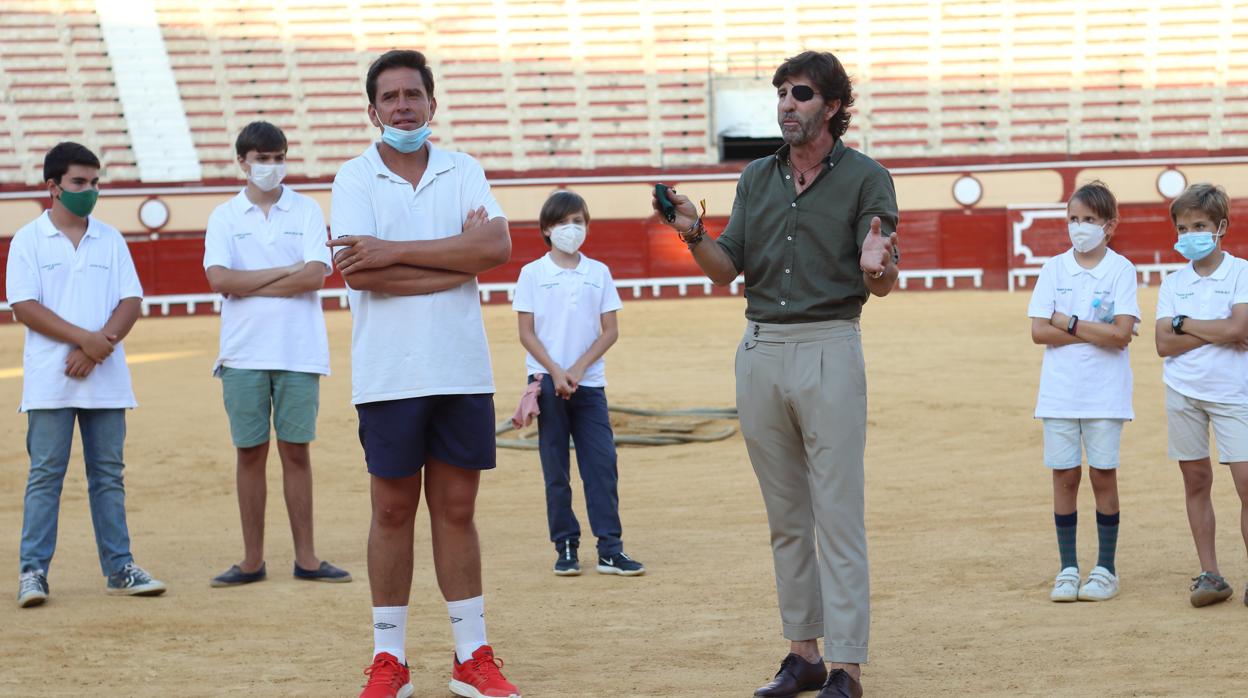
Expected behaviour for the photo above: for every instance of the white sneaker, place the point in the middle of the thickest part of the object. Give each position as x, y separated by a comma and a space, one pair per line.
1102, 585
1066, 585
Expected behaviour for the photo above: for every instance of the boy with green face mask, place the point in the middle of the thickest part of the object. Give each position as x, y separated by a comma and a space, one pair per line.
74, 369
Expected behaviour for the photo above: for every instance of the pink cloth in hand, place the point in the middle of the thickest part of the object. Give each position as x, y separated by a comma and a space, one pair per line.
528, 403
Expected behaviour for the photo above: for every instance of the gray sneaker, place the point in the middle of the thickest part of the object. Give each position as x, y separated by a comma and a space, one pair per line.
1209, 588
32, 588
133, 580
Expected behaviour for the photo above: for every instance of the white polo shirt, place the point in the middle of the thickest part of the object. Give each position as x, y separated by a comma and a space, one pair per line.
567, 307
82, 286
259, 332
1213, 372
413, 346
1084, 381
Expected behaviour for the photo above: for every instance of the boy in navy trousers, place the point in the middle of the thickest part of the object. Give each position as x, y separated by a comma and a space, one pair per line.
567, 304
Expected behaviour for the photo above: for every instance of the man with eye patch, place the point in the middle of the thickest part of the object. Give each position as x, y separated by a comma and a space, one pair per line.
813, 230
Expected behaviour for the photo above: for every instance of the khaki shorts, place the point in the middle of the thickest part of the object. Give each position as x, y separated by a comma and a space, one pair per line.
291, 398
1188, 422
1099, 437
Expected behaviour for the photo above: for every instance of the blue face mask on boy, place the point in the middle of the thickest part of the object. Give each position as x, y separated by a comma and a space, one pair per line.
1196, 246
405, 141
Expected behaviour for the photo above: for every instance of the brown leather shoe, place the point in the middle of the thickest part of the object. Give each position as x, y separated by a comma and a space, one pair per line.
841, 685
795, 675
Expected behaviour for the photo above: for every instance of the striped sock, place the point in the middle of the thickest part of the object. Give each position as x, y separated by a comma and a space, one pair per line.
1066, 529
1107, 535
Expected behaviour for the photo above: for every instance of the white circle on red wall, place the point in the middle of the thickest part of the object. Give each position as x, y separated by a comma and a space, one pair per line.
153, 214
1171, 183
967, 190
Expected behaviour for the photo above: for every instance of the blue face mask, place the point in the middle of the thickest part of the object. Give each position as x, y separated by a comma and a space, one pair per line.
1196, 246
405, 141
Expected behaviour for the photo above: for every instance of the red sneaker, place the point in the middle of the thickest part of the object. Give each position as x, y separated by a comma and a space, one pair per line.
387, 678
480, 677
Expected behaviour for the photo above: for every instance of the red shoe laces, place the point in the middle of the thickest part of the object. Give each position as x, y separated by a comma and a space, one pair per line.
488, 666
384, 672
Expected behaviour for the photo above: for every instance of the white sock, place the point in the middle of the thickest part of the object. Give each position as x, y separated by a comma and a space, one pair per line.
390, 631
467, 625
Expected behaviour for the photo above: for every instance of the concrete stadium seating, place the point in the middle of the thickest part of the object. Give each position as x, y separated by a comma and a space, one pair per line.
551, 85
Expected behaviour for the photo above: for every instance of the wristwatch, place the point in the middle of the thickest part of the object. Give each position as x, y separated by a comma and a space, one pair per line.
1072, 324
1177, 324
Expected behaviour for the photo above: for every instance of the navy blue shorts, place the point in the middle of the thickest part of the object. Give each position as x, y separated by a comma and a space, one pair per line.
398, 436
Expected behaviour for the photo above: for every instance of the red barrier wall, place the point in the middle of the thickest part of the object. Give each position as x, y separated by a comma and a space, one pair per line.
637, 249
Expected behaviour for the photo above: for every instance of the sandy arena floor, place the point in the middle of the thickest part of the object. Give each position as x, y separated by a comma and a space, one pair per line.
959, 515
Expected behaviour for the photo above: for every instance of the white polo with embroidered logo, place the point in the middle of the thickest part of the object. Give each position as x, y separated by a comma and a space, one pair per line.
430, 344
83, 286
1213, 372
261, 332
567, 307
1084, 381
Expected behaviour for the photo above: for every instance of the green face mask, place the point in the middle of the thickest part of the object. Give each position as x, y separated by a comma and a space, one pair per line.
80, 203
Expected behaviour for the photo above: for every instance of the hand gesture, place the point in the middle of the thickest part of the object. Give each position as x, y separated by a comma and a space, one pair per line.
476, 217
575, 374
97, 345
876, 249
78, 364
564, 387
360, 252
686, 212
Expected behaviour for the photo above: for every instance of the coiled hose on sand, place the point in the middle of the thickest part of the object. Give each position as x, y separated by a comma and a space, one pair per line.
684, 429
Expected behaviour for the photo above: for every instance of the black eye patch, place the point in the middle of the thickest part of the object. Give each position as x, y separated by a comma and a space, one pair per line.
802, 93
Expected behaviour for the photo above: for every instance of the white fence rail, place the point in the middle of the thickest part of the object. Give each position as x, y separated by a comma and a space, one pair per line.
634, 288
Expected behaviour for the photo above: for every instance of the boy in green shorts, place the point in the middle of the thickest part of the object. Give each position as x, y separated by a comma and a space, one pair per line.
264, 250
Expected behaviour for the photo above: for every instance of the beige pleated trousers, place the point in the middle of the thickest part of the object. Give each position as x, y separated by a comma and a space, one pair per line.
802, 402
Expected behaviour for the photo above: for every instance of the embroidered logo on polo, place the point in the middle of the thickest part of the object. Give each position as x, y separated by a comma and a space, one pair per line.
241, 236
1067, 289
293, 232
99, 266
1222, 291
1184, 295
50, 266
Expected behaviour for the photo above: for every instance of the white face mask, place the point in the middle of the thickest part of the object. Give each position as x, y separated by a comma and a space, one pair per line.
1086, 236
266, 176
567, 237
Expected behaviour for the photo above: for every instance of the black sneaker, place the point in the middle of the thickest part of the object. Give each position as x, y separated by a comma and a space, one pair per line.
620, 564
567, 564
32, 588
133, 580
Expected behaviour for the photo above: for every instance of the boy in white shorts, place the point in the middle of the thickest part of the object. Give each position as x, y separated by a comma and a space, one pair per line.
1202, 332
1084, 309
